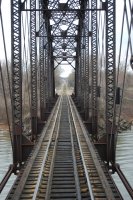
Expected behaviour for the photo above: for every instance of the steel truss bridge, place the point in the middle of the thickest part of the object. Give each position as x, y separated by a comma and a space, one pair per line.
57, 153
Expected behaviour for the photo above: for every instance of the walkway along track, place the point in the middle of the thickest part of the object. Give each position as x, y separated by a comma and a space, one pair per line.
64, 163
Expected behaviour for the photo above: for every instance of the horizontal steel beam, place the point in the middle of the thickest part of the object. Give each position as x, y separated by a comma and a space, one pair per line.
68, 36
61, 10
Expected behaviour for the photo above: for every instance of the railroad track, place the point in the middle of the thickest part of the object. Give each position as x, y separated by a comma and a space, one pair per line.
64, 164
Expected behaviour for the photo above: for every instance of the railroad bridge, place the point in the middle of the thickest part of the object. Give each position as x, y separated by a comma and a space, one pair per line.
59, 149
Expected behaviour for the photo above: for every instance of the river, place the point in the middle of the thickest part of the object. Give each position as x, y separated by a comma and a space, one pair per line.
5, 160
124, 156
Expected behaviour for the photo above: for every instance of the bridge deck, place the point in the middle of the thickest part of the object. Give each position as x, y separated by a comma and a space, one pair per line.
64, 164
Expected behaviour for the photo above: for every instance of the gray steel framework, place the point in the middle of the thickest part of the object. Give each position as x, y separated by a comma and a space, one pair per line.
87, 65
33, 63
41, 63
16, 80
46, 73
94, 70
69, 45
57, 45
110, 79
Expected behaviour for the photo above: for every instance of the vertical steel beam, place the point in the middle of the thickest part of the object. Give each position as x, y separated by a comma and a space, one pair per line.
94, 66
33, 61
16, 80
80, 79
87, 98
41, 61
46, 74
80, 69
77, 74
82, 75
52, 77
49, 72
110, 79
84, 70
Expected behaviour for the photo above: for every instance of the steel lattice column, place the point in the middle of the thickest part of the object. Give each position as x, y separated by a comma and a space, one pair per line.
78, 81
76, 77
78, 66
110, 79
80, 69
46, 73
52, 77
41, 61
94, 66
33, 61
49, 73
82, 77
16, 80
77, 71
87, 98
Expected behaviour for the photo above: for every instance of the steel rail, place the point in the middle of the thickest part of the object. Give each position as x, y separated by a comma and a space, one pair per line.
84, 165
45, 157
77, 183
59, 162
91, 148
66, 165
20, 186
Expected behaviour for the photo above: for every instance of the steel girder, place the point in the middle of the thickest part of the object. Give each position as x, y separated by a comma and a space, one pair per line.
82, 75
87, 59
16, 80
63, 41
83, 60
94, 66
33, 62
110, 79
46, 73
77, 74
41, 63
48, 57
81, 51
50, 72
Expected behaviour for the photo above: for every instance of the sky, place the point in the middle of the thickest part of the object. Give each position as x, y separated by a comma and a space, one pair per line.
67, 69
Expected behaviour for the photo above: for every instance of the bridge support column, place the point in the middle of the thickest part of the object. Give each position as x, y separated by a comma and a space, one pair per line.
94, 67
87, 66
33, 63
41, 63
110, 80
21, 145
16, 81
